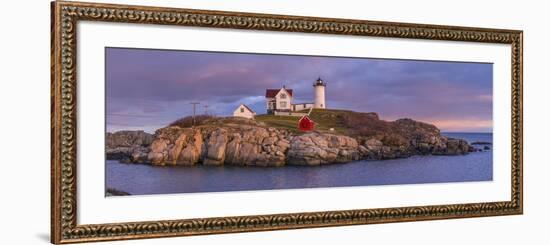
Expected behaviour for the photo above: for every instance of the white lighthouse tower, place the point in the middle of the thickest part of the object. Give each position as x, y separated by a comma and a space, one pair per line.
319, 87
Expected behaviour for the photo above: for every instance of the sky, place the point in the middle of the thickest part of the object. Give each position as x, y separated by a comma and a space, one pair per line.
147, 89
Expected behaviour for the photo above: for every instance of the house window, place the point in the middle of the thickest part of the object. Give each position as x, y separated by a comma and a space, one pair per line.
283, 96
242, 110
283, 104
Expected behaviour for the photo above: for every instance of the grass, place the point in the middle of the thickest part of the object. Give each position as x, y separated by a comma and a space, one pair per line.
341, 121
284, 122
359, 125
324, 120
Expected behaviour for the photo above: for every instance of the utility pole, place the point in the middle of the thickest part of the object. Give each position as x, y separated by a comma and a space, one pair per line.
194, 110
206, 109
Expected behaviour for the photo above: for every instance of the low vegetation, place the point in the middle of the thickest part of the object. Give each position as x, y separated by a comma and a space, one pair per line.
188, 121
357, 124
210, 120
360, 125
340, 121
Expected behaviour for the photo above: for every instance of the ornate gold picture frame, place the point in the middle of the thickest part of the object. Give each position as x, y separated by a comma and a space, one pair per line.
64, 107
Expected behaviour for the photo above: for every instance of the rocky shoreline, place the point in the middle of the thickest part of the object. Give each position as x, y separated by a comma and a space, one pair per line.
243, 142
114, 192
122, 144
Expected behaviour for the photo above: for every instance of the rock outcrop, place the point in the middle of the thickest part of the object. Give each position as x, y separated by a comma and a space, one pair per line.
124, 145
223, 142
175, 146
317, 149
232, 145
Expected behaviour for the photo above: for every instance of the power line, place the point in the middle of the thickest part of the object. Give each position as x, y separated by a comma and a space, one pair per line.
194, 110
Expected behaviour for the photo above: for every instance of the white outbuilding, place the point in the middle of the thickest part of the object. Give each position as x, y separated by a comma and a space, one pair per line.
244, 111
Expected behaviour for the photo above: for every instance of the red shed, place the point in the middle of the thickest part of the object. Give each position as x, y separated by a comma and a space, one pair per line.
306, 124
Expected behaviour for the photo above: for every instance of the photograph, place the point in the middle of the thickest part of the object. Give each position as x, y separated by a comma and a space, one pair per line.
189, 121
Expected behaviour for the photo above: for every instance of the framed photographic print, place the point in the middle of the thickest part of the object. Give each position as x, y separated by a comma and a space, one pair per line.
175, 122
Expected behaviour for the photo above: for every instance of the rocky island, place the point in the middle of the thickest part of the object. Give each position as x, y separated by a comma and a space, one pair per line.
340, 137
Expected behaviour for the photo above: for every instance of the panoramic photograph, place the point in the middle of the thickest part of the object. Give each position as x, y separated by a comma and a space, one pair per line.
185, 121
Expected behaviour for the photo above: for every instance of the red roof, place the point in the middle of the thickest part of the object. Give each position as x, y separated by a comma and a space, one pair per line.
271, 93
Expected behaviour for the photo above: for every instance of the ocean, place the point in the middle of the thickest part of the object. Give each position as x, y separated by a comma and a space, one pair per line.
141, 179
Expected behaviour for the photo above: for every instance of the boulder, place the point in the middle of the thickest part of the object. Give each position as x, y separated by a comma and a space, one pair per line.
159, 150
373, 144
128, 138
232, 150
139, 157
270, 140
122, 145
453, 147
320, 148
191, 152
173, 146
118, 153
283, 143
215, 148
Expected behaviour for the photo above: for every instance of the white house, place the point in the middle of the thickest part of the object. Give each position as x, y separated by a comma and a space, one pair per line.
279, 101
244, 111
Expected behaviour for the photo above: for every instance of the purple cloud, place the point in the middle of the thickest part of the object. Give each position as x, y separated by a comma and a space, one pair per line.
149, 88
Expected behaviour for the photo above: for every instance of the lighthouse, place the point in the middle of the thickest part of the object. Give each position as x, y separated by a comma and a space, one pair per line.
319, 91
